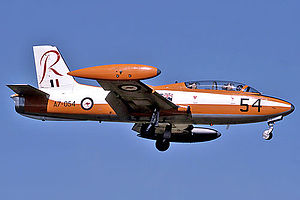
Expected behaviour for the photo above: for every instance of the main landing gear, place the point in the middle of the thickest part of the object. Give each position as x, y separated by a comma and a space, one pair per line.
268, 134
163, 141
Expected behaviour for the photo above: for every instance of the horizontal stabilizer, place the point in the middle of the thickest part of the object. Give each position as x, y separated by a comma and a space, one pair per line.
27, 90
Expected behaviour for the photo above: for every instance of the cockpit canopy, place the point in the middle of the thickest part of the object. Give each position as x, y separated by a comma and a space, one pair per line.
220, 85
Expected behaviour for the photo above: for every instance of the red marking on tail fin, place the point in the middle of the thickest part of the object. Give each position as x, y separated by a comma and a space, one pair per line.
57, 83
45, 63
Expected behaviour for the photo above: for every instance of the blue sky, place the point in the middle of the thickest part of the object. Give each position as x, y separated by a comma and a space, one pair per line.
255, 42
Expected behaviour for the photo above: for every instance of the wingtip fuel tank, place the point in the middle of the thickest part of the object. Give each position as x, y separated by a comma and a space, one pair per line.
117, 72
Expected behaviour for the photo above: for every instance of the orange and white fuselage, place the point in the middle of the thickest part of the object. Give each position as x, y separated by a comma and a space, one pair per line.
207, 106
124, 98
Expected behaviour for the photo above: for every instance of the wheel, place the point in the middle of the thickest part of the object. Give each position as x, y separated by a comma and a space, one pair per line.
162, 145
270, 136
267, 135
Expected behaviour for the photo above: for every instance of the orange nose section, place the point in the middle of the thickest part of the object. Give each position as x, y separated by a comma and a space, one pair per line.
291, 110
288, 109
117, 72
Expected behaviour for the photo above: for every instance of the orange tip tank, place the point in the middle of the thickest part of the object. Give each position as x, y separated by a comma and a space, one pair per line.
117, 72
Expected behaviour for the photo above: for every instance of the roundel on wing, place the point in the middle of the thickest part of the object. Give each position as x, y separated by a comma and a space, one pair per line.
87, 103
129, 88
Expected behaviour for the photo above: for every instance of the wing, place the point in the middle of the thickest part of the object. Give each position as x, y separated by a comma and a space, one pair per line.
131, 97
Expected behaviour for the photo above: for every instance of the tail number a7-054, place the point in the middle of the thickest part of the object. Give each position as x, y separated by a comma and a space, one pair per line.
64, 104
244, 103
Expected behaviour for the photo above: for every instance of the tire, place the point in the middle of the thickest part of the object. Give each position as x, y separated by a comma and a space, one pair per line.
162, 145
270, 136
267, 135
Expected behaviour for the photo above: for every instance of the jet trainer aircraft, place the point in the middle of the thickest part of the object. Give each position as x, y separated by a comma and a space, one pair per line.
165, 113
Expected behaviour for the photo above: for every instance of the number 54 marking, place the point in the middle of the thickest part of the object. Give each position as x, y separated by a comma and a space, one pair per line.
246, 105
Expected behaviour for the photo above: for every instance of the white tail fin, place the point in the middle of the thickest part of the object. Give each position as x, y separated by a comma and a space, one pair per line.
51, 68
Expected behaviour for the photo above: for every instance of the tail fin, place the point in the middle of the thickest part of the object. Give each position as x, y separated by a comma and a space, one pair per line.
51, 68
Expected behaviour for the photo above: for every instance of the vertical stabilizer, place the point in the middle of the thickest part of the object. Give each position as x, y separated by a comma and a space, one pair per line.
51, 68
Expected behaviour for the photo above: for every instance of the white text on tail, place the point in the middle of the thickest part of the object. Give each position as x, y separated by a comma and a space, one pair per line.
51, 68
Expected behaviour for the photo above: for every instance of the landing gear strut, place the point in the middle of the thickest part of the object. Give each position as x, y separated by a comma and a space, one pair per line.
268, 134
154, 120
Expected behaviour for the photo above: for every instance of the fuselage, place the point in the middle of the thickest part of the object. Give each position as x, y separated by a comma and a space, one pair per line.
165, 113
207, 106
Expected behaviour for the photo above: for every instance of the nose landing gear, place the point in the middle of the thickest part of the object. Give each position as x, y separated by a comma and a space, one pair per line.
268, 134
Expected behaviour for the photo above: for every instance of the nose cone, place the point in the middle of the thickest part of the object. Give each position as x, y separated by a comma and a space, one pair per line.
291, 110
218, 134
158, 72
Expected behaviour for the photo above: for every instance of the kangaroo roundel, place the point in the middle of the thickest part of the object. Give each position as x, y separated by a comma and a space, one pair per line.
87, 103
